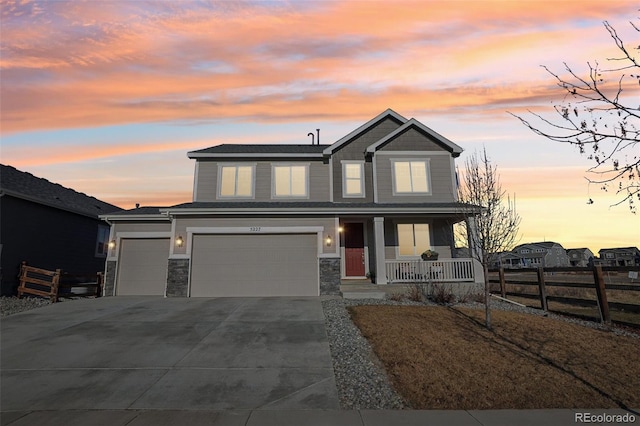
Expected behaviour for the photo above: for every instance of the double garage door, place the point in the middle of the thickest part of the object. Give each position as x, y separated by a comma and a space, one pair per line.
254, 265
226, 265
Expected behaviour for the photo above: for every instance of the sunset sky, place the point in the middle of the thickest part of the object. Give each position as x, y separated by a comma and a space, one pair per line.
106, 97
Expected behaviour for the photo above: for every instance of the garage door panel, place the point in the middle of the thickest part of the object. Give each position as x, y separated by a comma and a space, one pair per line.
254, 265
142, 268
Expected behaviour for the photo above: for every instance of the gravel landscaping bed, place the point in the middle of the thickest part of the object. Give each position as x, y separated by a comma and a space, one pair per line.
360, 378
13, 305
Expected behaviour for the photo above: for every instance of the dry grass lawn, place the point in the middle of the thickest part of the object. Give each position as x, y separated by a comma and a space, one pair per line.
444, 358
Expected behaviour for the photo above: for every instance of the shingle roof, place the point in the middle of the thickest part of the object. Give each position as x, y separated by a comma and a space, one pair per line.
261, 149
147, 210
27, 186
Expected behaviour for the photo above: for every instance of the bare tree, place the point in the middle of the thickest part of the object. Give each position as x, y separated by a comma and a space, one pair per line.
495, 228
600, 115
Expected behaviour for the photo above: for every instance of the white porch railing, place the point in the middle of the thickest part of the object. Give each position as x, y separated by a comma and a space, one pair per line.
445, 270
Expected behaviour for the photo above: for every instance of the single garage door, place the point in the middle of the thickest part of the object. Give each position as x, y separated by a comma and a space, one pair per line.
254, 265
142, 269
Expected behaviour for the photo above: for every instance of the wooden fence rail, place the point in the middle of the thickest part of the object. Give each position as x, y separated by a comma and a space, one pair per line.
598, 284
45, 283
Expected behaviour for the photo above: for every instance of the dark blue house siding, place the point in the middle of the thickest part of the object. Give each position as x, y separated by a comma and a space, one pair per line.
45, 237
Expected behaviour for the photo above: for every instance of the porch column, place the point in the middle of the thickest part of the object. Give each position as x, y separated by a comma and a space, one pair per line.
475, 251
378, 233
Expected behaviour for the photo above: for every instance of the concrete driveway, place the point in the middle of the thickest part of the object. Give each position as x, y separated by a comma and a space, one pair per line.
142, 353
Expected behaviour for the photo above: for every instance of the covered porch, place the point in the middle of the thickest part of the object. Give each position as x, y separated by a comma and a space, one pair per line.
387, 250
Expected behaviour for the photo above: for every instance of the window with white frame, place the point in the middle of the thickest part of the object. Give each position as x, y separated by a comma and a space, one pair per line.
352, 179
290, 181
410, 177
413, 239
235, 181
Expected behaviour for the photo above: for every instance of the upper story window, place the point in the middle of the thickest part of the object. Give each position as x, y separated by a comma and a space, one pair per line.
524, 251
410, 177
413, 239
352, 179
290, 180
609, 255
235, 181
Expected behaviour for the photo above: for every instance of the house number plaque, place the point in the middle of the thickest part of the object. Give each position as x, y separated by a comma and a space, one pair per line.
255, 229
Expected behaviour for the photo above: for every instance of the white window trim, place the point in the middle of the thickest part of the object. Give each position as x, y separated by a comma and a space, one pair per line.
344, 179
427, 162
415, 256
237, 197
288, 197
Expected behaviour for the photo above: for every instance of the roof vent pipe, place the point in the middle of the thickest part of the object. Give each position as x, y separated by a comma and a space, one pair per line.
314, 140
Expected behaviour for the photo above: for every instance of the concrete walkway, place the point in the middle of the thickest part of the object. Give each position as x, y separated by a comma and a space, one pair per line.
306, 418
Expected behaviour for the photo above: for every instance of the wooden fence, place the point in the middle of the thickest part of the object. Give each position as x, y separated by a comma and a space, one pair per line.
54, 284
597, 283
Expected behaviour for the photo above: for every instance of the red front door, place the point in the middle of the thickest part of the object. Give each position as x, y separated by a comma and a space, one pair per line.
354, 249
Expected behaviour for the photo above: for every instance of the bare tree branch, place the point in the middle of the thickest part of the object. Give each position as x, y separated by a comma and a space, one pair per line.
496, 226
600, 115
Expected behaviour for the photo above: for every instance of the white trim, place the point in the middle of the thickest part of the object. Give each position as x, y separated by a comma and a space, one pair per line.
343, 164
289, 197
427, 165
365, 247
317, 211
219, 196
454, 186
388, 113
329, 256
331, 179
136, 235
375, 178
455, 149
378, 232
196, 176
172, 243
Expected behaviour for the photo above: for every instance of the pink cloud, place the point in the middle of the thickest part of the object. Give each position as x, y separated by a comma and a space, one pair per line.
111, 62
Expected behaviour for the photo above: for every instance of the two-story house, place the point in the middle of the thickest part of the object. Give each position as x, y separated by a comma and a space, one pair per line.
621, 256
279, 220
546, 254
580, 257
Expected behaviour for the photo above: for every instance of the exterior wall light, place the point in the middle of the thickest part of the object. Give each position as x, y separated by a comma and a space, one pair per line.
179, 241
328, 240
112, 244
340, 229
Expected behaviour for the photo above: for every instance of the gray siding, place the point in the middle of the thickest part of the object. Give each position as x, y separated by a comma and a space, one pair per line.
207, 181
440, 177
412, 140
354, 150
142, 227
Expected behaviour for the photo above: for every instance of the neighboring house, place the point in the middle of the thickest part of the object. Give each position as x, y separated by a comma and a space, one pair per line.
278, 220
624, 256
545, 254
580, 257
48, 226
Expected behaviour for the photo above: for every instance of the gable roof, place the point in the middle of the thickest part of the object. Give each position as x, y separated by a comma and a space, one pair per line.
250, 150
26, 186
389, 113
415, 124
